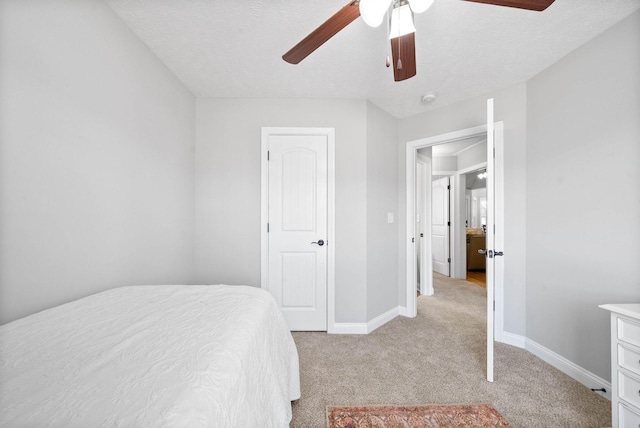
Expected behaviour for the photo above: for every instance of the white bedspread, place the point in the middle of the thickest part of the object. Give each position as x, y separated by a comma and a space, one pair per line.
151, 356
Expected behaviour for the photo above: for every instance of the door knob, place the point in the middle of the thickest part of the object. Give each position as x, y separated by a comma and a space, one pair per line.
491, 253
320, 242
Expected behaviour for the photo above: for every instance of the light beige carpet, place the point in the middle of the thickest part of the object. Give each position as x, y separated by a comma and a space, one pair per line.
439, 357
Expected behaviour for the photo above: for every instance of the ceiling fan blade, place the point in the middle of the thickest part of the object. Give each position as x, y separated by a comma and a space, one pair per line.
537, 5
330, 28
403, 51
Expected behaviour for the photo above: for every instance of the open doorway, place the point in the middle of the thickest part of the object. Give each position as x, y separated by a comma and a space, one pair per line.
423, 148
494, 132
456, 207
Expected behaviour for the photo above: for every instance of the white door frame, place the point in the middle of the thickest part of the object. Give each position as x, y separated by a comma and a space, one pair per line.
329, 133
426, 264
410, 309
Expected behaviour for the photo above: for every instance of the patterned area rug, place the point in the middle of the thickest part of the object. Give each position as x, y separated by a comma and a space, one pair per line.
414, 416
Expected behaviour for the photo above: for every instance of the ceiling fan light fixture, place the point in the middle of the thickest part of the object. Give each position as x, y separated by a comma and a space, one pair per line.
372, 11
419, 6
401, 21
400, 26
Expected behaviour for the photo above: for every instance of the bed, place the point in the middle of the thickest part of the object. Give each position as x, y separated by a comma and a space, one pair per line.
151, 356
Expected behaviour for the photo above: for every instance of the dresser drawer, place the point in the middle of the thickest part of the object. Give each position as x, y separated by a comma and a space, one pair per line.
629, 389
629, 359
628, 417
629, 331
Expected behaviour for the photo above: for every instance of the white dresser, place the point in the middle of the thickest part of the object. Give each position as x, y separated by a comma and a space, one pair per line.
625, 364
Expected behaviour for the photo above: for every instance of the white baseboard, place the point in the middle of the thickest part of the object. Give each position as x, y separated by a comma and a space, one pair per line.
382, 319
402, 310
348, 328
569, 368
512, 339
364, 328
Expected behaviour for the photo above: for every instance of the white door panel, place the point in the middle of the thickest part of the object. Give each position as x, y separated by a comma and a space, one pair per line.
297, 236
440, 225
298, 278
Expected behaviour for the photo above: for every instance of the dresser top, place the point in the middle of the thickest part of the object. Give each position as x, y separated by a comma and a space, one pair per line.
628, 309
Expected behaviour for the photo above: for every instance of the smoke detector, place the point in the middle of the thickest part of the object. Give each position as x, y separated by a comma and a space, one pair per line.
429, 97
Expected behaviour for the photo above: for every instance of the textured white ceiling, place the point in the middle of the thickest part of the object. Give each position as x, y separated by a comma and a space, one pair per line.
233, 48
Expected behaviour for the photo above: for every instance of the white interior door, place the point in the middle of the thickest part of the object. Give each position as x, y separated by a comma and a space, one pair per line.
490, 237
297, 228
440, 224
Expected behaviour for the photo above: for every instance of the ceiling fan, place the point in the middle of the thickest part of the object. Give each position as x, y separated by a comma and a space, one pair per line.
401, 31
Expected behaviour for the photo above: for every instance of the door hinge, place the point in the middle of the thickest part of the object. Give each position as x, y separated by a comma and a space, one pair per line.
494, 306
267, 227
268, 154
413, 240
449, 260
448, 223
448, 187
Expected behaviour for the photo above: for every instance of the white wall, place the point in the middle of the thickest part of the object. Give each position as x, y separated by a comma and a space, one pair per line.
228, 190
442, 163
96, 158
510, 107
583, 194
382, 198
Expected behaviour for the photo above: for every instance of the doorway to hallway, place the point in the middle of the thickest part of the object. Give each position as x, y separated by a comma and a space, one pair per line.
495, 178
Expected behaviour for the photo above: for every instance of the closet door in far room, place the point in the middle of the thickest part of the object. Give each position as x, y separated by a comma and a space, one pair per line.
440, 226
